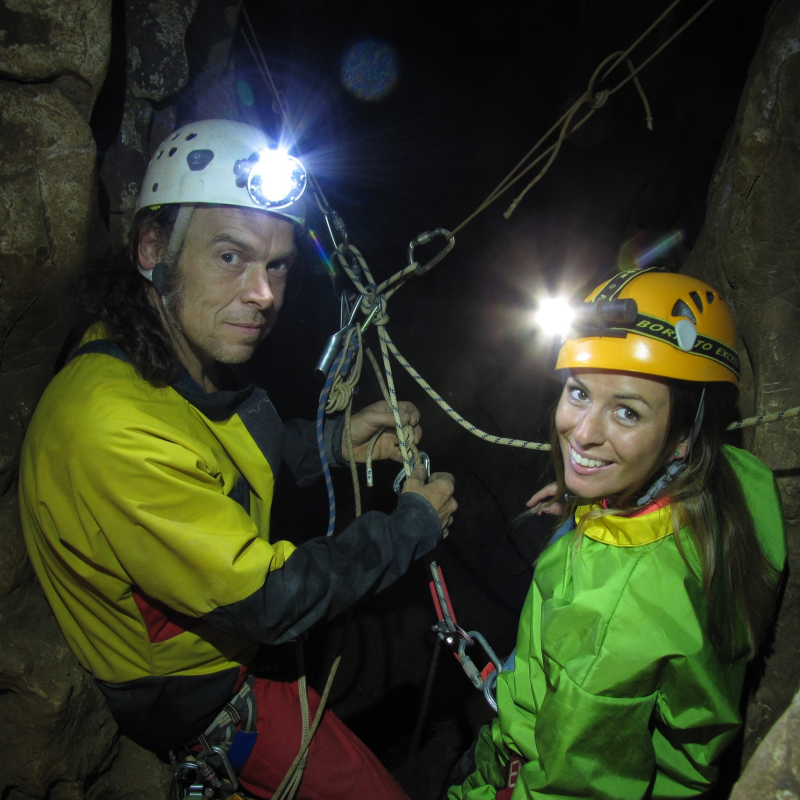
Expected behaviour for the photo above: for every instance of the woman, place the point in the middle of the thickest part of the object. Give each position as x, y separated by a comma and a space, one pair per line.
635, 635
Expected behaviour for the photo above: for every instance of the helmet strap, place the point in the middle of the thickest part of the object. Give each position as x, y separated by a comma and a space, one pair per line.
676, 465
698, 421
158, 274
179, 233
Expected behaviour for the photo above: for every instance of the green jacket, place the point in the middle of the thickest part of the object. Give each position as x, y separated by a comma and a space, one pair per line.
616, 690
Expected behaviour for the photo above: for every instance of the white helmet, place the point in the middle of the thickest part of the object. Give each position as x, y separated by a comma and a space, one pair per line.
228, 163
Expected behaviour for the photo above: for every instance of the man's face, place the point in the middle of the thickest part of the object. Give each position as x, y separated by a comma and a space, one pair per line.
232, 273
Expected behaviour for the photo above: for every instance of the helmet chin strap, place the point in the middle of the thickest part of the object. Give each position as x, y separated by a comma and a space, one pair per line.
678, 465
158, 274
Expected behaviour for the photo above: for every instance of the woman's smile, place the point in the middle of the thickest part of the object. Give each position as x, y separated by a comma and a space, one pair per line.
612, 428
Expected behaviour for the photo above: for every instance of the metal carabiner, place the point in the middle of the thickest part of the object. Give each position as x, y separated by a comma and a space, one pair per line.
398, 481
336, 225
233, 781
466, 662
425, 238
334, 343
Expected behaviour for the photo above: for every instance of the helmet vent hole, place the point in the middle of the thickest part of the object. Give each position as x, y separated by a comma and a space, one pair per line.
160, 153
190, 137
176, 136
697, 301
172, 151
680, 309
155, 187
199, 159
710, 297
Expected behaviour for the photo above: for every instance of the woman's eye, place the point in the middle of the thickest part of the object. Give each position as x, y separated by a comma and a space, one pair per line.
577, 394
627, 414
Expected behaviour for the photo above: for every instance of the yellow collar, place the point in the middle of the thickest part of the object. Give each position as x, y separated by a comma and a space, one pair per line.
627, 531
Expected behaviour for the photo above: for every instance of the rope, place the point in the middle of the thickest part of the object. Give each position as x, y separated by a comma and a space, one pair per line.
341, 391
763, 419
374, 303
291, 781
594, 101
353, 469
442, 403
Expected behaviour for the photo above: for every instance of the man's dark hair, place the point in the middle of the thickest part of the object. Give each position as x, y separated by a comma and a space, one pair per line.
116, 295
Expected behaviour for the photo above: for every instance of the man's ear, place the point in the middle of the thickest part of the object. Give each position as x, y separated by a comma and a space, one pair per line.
151, 247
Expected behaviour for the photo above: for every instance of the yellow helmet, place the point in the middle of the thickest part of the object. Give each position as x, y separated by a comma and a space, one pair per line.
683, 330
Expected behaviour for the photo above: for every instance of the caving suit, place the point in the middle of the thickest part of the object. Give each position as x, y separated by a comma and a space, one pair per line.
146, 513
616, 691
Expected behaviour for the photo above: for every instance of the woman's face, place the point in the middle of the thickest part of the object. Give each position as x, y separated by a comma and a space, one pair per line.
612, 427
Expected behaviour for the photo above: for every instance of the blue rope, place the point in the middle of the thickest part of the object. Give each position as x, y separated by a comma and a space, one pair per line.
323, 401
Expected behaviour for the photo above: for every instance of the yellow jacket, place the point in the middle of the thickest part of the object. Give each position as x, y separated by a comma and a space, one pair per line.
146, 515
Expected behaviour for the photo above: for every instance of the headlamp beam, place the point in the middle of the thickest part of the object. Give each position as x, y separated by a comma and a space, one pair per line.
274, 179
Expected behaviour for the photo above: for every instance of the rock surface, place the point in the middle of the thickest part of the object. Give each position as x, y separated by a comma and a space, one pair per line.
748, 248
773, 773
58, 739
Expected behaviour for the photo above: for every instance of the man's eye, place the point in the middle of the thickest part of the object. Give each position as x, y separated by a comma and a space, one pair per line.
230, 258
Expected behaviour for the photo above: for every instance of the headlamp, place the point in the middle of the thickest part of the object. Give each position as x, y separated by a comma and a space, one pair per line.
273, 178
602, 314
557, 316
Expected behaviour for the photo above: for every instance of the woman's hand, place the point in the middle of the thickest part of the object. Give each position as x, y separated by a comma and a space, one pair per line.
542, 497
365, 423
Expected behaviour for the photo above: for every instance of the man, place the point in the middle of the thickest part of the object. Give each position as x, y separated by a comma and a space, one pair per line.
146, 481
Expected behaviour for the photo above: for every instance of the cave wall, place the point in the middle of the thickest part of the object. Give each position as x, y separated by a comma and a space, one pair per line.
748, 249
57, 737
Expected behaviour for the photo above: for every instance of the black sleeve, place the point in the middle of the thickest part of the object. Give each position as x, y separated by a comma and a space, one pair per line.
326, 575
300, 450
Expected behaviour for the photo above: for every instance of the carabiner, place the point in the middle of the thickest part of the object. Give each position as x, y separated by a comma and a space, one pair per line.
425, 238
336, 223
398, 481
334, 343
466, 662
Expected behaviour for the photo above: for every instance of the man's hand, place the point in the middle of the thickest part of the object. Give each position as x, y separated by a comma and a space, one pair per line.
366, 422
438, 491
543, 496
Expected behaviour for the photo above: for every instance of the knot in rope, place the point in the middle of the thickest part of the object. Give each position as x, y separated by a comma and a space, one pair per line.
339, 396
345, 377
408, 442
374, 306
599, 99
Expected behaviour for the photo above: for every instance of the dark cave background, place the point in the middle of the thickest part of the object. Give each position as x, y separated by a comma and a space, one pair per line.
477, 86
